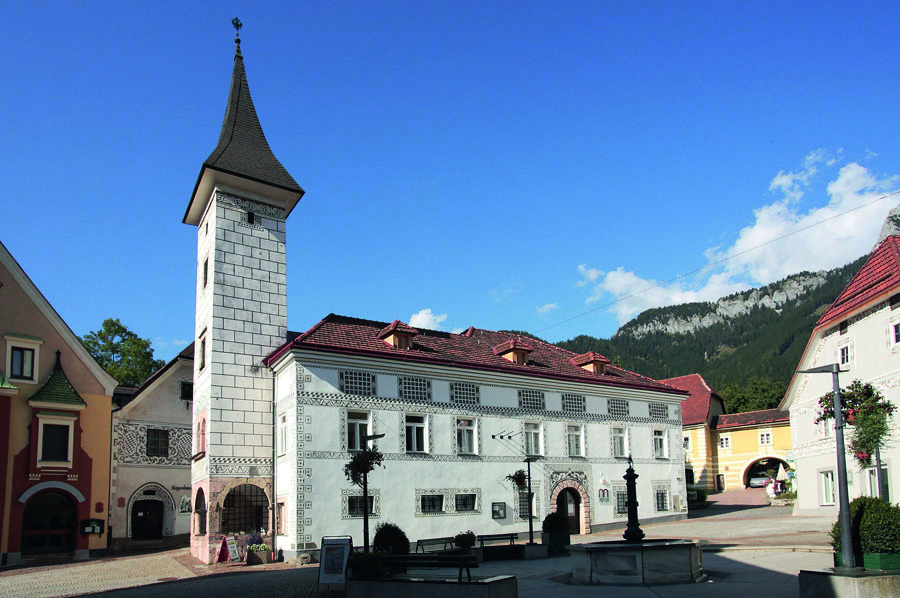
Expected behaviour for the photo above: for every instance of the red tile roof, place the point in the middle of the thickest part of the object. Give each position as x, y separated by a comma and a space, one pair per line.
879, 277
473, 350
751, 418
513, 344
695, 410
397, 326
589, 357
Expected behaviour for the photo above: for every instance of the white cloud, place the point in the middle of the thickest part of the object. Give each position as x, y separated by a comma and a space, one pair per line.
159, 342
511, 288
830, 235
547, 308
458, 330
180, 342
424, 318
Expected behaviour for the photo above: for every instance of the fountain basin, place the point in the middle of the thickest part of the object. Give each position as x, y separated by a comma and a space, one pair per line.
648, 562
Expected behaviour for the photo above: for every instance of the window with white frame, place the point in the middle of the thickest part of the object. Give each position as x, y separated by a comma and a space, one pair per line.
872, 482
660, 444
414, 388
465, 435
725, 442
845, 355
532, 400
621, 495
826, 487
619, 442
533, 438
415, 434
282, 433
56, 433
357, 382
573, 403
575, 437
464, 393
765, 439
355, 505
687, 444
357, 429
22, 358
659, 410
895, 334
661, 500
618, 408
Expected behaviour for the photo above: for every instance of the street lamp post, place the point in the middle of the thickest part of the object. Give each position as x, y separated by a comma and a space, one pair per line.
529, 461
365, 449
848, 560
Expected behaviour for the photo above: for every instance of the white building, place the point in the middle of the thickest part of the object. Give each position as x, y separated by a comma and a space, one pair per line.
150, 485
459, 411
860, 331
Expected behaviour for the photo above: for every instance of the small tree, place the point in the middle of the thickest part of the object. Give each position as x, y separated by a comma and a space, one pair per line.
127, 357
866, 409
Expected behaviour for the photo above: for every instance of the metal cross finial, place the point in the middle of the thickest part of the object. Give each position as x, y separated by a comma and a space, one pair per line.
236, 23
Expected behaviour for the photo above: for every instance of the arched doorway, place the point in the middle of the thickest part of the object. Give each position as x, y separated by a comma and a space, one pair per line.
147, 520
48, 524
757, 470
245, 509
200, 512
568, 502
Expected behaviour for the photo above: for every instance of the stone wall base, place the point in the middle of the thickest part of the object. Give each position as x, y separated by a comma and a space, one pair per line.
501, 586
870, 584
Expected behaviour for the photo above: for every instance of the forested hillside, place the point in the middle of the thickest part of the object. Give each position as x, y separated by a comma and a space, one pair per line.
758, 335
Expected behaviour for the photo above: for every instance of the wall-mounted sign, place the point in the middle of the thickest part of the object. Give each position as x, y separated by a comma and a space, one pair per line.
498, 510
603, 496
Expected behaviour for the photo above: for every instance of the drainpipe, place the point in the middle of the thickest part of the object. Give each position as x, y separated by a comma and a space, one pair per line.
274, 460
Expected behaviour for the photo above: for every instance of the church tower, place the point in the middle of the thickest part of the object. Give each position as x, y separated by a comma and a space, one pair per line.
240, 202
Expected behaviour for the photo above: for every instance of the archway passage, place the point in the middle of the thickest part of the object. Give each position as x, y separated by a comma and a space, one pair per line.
757, 472
568, 502
245, 510
48, 524
147, 520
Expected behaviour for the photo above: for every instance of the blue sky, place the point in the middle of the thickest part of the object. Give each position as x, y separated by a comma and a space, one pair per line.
503, 164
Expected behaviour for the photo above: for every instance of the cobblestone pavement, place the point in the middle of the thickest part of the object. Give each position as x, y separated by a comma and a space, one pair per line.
743, 545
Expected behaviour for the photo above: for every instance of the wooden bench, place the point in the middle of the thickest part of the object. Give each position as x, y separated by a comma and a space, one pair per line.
463, 561
443, 542
511, 538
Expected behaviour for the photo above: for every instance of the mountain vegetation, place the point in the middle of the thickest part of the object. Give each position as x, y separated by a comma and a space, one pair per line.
746, 345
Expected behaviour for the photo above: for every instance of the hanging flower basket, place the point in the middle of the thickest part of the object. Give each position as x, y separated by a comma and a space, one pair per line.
518, 478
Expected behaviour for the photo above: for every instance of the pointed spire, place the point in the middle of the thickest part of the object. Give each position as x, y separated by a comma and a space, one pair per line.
242, 150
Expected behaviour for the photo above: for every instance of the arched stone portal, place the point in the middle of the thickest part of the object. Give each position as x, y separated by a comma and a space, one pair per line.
163, 519
585, 510
761, 463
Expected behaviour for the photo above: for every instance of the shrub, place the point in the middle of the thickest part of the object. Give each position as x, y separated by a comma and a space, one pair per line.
390, 538
465, 539
555, 523
258, 548
874, 527
701, 495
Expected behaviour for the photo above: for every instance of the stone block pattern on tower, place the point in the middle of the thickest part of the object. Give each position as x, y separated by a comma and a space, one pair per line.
248, 321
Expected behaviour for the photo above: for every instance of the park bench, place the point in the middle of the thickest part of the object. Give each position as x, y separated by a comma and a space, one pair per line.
510, 538
443, 542
462, 561
503, 547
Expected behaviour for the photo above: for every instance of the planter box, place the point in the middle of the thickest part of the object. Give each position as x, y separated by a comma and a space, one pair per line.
879, 560
259, 558
556, 542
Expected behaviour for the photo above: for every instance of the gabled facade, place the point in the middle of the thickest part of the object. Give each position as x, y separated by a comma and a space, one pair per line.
55, 405
150, 486
861, 332
699, 442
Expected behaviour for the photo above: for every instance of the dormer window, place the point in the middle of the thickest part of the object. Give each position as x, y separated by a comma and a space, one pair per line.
398, 335
514, 350
592, 362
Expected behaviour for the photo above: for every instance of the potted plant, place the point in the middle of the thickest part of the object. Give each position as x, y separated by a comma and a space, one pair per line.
518, 478
555, 532
465, 539
259, 554
875, 534
366, 564
390, 539
362, 462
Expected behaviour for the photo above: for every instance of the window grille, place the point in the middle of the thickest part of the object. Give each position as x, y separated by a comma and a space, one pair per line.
157, 443
531, 399
245, 510
621, 503
464, 393
357, 382
432, 503
465, 502
415, 389
573, 403
355, 506
659, 410
661, 498
523, 505
618, 408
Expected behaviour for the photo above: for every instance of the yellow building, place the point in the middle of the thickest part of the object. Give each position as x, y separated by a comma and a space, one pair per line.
725, 451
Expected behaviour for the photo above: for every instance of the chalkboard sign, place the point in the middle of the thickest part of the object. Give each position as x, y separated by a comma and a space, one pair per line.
228, 551
333, 559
